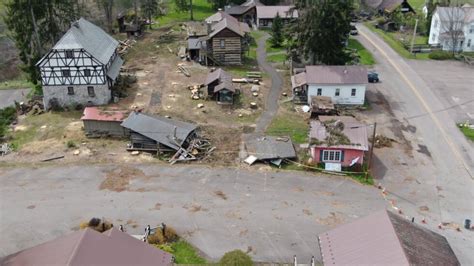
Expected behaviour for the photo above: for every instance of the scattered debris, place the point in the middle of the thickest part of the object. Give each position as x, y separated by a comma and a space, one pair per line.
135, 153
183, 70
76, 152
53, 158
253, 105
255, 88
5, 149
254, 75
382, 141
182, 52
220, 194
32, 107
270, 149
125, 45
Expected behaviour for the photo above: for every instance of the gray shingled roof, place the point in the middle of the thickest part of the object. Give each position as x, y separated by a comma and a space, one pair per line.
336, 75
231, 24
269, 148
159, 129
114, 69
385, 238
85, 35
465, 14
217, 74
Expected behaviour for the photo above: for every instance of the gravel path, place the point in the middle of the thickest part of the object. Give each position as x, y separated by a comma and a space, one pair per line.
271, 106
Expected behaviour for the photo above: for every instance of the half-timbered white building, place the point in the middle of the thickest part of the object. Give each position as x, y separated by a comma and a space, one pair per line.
81, 68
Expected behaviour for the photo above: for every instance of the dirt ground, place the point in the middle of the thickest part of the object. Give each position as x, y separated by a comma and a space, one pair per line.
161, 90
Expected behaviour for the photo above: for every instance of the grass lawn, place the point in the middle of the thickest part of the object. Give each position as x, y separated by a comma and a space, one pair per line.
289, 124
468, 132
270, 49
276, 58
183, 252
19, 83
395, 44
201, 10
365, 56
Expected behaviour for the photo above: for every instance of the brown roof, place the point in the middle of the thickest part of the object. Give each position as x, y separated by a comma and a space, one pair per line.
238, 10
384, 238
225, 84
217, 74
267, 12
336, 75
298, 80
229, 23
355, 131
89, 247
220, 15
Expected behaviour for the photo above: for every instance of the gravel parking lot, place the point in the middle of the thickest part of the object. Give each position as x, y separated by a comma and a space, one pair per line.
273, 215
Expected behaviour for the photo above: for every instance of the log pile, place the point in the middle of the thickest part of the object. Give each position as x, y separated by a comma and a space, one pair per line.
32, 107
196, 92
125, 45
183, 70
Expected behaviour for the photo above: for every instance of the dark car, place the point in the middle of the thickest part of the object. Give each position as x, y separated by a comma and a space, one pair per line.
373, 76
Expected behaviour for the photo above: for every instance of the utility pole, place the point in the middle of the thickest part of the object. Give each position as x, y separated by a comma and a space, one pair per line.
371, 153
414, 36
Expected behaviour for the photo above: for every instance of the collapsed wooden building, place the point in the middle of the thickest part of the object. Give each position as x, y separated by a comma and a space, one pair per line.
158, 134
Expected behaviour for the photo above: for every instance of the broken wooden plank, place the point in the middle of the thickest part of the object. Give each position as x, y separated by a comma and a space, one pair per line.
53, 158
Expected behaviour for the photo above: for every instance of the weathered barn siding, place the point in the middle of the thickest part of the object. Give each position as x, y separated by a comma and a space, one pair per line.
109, 128
231, 53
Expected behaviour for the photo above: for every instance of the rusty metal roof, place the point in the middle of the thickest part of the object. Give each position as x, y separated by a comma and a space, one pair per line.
384, 238
89, 247
94, 113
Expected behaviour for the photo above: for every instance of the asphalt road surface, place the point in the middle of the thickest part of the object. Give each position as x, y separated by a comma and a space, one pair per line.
439, 174
274, 215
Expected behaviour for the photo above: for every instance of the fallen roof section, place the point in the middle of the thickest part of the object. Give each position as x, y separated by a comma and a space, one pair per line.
89, 247
270, 148
385, 238
169, 132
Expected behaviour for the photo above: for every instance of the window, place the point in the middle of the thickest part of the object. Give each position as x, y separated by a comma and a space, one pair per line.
69, 54
70, 90
468, 43
222, 44
87, 72
66, 72
338, 91
320, 91
331, 156
90, 91
353, 92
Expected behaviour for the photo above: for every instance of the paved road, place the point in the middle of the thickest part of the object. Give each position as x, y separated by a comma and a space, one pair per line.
8, 97
439, 174
277, 214
271, 106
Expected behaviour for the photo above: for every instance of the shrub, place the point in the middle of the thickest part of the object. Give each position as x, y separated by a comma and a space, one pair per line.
96, 224
7, 116
70, 144
157, 238
236, 258
170, 234
440, 55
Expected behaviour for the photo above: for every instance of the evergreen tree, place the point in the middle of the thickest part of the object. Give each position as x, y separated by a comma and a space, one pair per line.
107, 6
35, 26
151, 9
430, 7
185, 6
322, 31
277, 31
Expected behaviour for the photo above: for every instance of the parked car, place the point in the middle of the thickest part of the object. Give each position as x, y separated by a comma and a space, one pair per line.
373, 76
353, 30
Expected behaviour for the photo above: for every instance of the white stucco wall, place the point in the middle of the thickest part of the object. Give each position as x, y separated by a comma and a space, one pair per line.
102, 96
344, 94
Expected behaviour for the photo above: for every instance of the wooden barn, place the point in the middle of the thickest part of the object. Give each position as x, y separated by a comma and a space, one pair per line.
220, 87
158, 134
103, 123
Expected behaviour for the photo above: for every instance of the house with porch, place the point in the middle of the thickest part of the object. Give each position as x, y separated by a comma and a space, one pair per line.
220, 87
453, 28
340, 141
81, 68
345, 85
266, 15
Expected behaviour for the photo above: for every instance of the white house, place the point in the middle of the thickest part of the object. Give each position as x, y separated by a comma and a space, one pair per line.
81, 67
453, 21
345, 85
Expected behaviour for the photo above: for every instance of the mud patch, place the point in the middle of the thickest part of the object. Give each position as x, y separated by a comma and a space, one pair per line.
424, 150
307, 212
424, 208
332, 219
194, 208
119, 179
31, 207
220, 194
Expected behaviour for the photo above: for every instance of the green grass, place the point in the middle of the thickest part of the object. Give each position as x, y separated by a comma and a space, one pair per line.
185, 253
395, 44
366, 57
468, 132
270, 49
276, 58
201, 10
19, 83
288, 125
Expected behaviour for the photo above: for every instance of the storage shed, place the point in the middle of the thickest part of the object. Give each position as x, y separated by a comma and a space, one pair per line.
99, 122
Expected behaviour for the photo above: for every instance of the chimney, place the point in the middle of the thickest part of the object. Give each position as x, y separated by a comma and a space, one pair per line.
209, 27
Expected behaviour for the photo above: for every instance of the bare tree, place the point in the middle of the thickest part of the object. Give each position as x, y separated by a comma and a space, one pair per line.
107, 6
452, 27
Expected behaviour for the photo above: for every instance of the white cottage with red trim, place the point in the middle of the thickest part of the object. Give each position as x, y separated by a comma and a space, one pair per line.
338, 140
81, 68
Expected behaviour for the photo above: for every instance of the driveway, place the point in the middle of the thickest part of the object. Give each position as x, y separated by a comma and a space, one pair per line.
433, 178
8, 97
273, 215
271, 106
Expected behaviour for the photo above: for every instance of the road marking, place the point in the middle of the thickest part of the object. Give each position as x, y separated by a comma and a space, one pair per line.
425, 105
